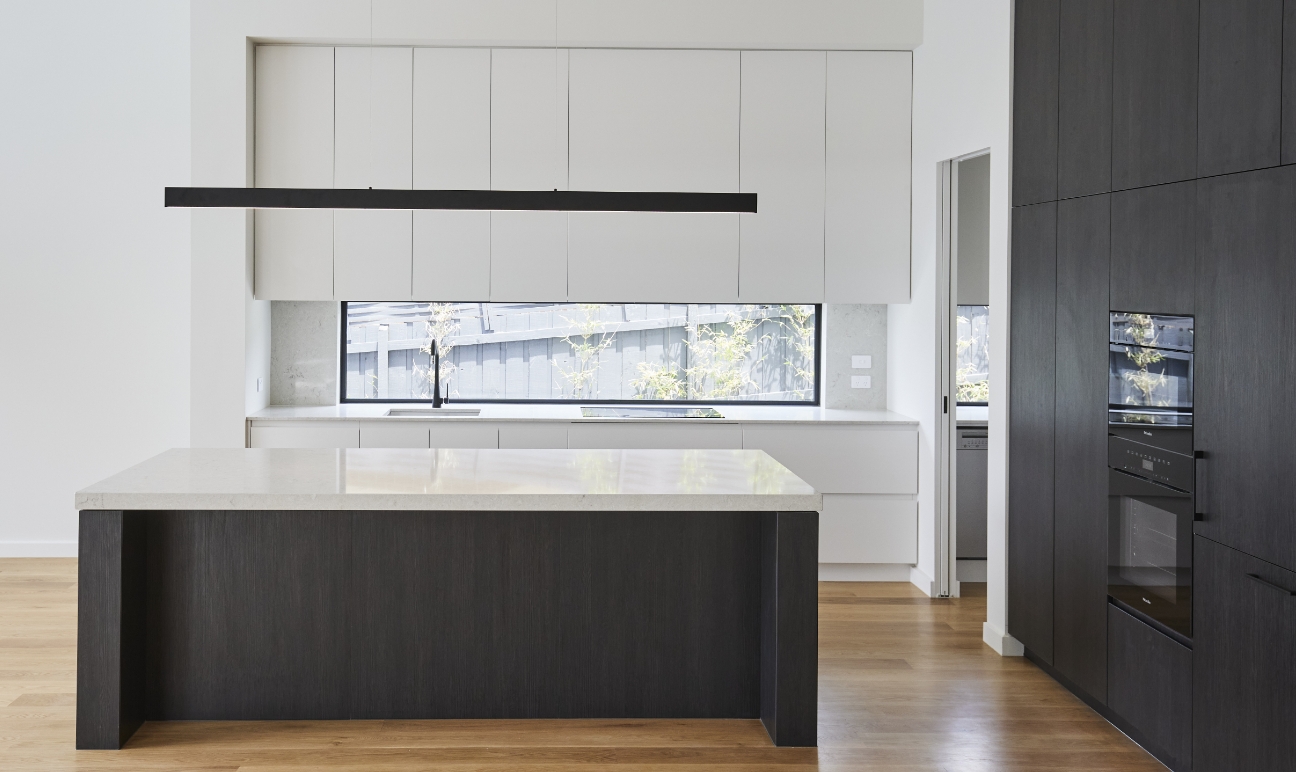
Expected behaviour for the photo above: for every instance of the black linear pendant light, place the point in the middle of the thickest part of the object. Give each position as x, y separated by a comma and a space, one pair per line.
501, 200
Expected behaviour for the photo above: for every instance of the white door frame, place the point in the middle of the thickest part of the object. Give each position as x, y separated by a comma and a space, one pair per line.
946, 579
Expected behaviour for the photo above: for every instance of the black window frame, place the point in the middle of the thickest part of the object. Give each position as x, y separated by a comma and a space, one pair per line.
816, 402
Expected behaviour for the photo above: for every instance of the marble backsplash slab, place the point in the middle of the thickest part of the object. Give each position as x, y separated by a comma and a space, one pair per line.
304, 343
851, 330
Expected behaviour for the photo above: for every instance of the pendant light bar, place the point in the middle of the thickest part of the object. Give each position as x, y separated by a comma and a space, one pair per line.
491, 200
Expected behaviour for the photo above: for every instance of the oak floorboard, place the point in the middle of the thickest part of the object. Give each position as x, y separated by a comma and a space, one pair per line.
905, 685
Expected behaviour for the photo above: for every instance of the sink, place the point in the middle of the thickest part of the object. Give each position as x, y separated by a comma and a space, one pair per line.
433, 412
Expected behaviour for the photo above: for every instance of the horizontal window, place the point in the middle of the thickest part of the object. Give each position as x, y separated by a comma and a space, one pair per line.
581, 352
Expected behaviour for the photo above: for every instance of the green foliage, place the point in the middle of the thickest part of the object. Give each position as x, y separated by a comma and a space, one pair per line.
968, 390
1142, 329
581, 372
440, 326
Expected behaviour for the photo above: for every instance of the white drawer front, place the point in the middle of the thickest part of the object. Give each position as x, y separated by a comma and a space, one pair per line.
312, 435
464, 435
538, 435
393, 435
868, 529
666, 436
843, 459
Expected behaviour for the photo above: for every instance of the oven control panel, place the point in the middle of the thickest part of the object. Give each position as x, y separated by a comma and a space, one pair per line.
1152, 463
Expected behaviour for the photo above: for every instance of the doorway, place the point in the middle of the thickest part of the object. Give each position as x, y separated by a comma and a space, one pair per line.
963, 371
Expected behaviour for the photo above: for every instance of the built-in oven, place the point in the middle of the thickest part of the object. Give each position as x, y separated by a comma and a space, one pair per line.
1151, 469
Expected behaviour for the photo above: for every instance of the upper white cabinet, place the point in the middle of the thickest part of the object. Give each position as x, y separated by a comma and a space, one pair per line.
782, 162
653, 257
452, 151
654, 120
866, 238
293, 248
373, 146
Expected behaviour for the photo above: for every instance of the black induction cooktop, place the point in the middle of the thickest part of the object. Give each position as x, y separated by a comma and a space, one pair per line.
650, 412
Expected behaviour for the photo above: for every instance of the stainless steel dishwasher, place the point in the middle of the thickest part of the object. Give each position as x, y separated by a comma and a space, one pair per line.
971, 461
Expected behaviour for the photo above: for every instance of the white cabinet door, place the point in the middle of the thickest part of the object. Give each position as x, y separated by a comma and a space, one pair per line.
373, 146
868, 529
866, 238
371, 254
665, 436
464, 435
293, 254
654, 120
842, 459
533, 435
294, 117
782, 159
389, 434
452, 129
528, 256
528, 119
653, 257
303, 434
292, 248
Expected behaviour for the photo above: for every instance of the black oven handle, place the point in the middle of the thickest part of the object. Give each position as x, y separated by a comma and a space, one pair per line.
1199, 485
1266, 583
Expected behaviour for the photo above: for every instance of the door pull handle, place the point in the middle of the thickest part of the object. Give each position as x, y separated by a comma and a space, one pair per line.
1266, 583
1199, 485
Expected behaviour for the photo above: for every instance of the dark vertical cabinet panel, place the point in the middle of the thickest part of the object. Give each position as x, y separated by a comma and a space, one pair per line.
1030, 458
1080, 445
1084, 98
1153, 242
1149, 686
1035, 101
1244, 662
1289, 84
1246, 361
1154, 92
1240, 85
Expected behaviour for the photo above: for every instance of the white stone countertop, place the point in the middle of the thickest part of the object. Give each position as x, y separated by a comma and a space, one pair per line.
453, 479
572, 414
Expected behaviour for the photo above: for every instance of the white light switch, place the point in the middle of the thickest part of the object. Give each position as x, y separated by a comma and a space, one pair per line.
861, 381
258, 385
861, 361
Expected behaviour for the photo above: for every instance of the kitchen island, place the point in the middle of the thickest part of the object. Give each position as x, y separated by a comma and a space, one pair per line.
285, 584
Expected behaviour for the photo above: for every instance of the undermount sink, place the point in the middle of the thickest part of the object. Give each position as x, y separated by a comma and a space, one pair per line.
433, 412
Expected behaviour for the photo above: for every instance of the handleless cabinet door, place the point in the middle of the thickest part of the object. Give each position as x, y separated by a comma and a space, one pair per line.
1240, 89
293, 248
1244, 662
452, 151
1153, 241
1084, 78
1154, 88
1289, 84
1149, 685
1031, 408
1035, 101
782, 162
528, 130
1080, 445
372, 249
651, 257
1245, 355
867, 202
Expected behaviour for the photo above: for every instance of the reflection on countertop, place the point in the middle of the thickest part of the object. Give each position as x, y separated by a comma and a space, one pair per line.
781, 414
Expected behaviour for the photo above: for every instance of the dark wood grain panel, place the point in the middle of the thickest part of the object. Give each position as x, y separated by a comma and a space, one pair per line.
1035, 101
1289, 83
789, 627
1080, 445
110, 628
1244, 662
1149, 685
1154, 87
1245, 361
1240, 85
1030, 428
556, 614
1153, 244
247, 615
1084, 98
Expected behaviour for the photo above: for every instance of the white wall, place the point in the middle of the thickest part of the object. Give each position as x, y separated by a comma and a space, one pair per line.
962, 75
94, 272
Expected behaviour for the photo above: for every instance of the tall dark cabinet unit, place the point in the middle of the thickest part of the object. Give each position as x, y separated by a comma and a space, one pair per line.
1155, 172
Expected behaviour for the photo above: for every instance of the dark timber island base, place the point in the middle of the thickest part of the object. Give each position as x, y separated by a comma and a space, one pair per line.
256, 615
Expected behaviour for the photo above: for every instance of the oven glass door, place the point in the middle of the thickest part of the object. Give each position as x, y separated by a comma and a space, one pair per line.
1150, 549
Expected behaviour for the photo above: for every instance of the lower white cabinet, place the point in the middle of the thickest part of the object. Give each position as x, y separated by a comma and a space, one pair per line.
843, 458
304, 434
375, 434
857, 528
536, 435
665, 436
463, 435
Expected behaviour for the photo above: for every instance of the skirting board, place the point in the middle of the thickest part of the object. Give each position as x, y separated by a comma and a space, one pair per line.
38, 549
1004, 644
864, 572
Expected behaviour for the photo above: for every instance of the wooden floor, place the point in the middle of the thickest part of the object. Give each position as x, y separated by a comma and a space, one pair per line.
904, 684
